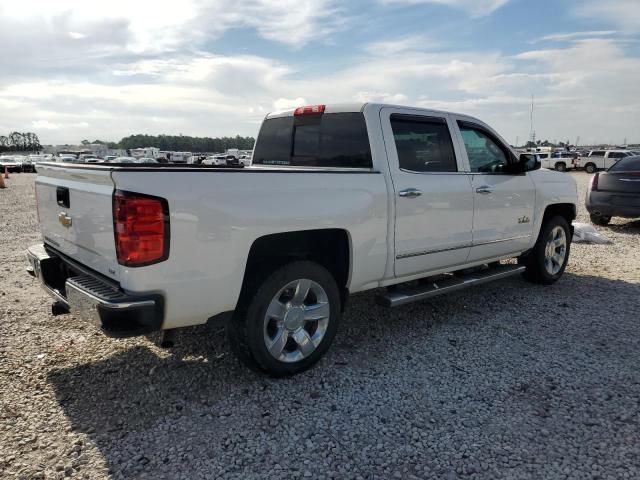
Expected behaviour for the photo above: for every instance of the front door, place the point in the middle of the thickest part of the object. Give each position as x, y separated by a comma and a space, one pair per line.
503, 201
433, 197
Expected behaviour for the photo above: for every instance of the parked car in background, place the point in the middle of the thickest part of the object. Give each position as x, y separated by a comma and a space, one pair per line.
245, 160
147, 160
124, 160
560, 161
340, 199
616, 192
108, 158
68, 158
217, 160
602, 159
10, 164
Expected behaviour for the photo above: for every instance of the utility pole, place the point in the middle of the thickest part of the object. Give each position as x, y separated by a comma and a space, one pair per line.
532, 133
577, 140
517, 138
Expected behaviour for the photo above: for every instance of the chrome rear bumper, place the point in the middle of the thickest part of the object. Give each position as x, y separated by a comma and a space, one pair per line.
88, 296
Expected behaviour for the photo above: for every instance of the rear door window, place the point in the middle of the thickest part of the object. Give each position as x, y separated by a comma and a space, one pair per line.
333, 140
597, 153
423, 144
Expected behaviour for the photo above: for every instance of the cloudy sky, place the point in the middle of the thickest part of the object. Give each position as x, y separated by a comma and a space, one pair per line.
76, 69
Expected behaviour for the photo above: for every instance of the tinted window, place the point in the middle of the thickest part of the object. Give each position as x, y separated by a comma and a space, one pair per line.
328, 140
627, 164
485, 154
617, 154
423, 144
597, 153
274, 142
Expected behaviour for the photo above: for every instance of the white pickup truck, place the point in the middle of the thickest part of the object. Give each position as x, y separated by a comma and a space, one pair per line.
602, 159
339, 199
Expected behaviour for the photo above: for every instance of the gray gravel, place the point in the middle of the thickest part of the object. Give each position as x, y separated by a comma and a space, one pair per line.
508, 380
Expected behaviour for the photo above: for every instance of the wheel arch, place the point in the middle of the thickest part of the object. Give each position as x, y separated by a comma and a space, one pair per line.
566, 210
330, 247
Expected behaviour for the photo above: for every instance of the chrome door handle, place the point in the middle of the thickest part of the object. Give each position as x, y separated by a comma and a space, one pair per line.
410, 193
484, 189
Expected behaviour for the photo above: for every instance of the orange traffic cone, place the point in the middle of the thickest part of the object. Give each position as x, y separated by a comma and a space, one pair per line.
6, 172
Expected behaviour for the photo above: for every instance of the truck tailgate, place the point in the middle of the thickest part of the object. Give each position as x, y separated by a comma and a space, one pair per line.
76, 215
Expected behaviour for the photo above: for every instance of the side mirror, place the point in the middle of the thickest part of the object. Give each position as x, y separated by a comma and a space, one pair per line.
529, 162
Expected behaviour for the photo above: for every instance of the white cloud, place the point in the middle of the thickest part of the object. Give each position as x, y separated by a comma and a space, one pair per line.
577, 35
402, 44
287, 103
474, 8
623, 13
154, 26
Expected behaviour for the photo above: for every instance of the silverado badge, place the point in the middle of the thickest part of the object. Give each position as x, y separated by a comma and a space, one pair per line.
523, 219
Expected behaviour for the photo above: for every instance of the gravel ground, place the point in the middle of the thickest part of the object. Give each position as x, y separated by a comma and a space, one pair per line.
507, 380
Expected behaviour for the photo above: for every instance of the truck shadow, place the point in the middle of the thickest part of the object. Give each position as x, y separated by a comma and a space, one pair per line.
148, 398
628, 226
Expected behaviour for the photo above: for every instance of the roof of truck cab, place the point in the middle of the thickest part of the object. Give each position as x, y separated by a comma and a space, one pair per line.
359, 107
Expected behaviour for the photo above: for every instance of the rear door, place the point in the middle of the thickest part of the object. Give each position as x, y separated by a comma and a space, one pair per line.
503, 201
75, 211
433, 200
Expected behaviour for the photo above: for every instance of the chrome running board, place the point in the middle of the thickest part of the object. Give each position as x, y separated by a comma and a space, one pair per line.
430, 287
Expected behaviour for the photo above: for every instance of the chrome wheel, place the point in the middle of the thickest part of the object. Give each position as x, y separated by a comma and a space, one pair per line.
296, 320
555, 250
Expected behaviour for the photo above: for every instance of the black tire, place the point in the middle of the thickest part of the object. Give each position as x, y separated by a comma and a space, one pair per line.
245, 330
590, 168
534, 261
561, 167
599, 219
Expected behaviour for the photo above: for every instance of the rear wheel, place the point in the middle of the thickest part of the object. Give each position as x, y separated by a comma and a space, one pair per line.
599, 219
288, 322
590, 168
546, 262
561, 167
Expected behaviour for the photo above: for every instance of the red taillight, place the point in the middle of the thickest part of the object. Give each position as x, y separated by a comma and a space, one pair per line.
309, 110
594, 182
141, 228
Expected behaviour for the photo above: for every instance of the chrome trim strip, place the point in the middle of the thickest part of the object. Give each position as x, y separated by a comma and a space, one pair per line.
470, 245
428, 252
501, 240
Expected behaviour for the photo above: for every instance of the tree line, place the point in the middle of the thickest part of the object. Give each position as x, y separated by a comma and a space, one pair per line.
20, 142
183, 143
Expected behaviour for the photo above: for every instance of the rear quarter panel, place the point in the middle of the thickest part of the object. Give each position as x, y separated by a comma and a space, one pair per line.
217, 215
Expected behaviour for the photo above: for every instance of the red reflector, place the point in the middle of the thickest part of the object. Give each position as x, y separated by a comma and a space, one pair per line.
594, 183
141, 228
309, 110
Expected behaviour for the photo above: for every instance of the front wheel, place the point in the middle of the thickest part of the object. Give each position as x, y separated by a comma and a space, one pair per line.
288, 322
546, 262
590, 168
561, 167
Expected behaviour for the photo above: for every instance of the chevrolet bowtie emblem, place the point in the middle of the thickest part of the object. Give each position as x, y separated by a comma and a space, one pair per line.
64, 219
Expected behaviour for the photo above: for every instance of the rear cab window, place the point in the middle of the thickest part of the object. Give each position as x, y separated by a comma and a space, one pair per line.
330, 140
